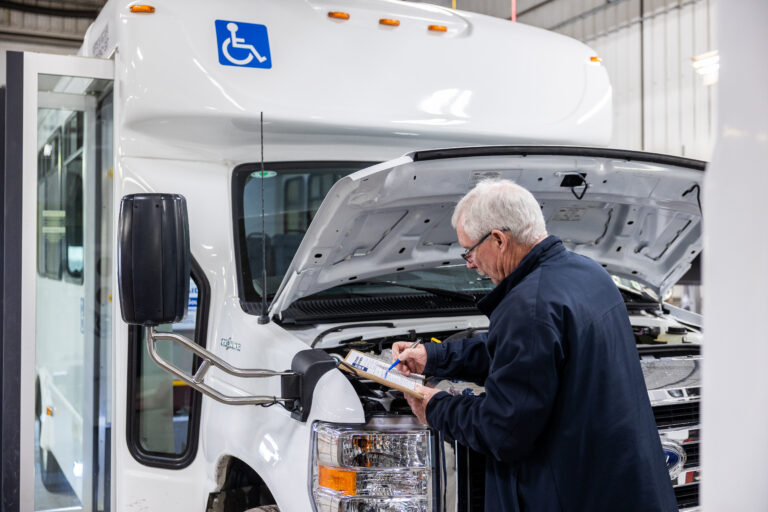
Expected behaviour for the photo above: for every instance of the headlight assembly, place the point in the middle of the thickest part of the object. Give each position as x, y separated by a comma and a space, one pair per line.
385, 465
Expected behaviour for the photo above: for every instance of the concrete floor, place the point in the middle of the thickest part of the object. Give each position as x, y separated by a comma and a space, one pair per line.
46, 501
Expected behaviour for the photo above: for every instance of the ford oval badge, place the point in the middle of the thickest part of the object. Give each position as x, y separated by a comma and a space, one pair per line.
675, 458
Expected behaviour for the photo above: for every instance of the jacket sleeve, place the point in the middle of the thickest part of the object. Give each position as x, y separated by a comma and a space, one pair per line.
465, 359
520, 391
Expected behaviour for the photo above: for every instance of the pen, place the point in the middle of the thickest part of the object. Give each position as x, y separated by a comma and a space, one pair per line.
397, 361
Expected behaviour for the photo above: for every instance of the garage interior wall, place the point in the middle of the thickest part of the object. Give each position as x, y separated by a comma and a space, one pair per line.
661, 103
25, 27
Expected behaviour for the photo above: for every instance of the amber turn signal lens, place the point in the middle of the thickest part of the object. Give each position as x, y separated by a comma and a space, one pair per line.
389, 22
338, 480
595, 58
438, 28
338, 15
148, 9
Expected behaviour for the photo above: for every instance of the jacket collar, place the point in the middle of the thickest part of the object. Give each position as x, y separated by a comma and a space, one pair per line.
544, 250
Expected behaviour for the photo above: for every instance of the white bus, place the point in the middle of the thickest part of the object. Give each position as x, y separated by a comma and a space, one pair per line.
168, 98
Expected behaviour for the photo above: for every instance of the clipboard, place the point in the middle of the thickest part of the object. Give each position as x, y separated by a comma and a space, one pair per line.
363, 365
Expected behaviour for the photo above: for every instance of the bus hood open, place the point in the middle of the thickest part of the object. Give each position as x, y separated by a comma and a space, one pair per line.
638, 214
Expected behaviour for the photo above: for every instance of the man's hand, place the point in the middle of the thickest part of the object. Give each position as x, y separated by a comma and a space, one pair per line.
412, 360
419, 407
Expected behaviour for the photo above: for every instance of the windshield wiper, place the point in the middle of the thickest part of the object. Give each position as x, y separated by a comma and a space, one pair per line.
433, 291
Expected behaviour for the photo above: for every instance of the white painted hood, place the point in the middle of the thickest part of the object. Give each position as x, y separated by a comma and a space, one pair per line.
640, 215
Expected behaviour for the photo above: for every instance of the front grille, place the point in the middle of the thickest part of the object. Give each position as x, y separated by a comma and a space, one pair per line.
682, 418
676, 415
691, 455
687, 495
470, 478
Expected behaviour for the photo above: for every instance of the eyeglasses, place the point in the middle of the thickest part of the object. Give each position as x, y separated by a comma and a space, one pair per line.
467, 255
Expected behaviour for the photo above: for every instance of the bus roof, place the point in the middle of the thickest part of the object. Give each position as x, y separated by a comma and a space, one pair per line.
194, 77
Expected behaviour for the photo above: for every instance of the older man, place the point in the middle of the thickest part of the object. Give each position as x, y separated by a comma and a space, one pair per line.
565, 421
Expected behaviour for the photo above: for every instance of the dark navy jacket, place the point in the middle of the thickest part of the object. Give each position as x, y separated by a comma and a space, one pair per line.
565, 421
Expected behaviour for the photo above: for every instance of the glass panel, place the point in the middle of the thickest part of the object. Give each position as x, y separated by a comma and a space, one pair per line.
162, 403
50, 217
73, 218
295, 216
103, 295
73, 301
292, 194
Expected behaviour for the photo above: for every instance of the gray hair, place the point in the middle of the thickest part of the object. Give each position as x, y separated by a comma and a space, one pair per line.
500, 204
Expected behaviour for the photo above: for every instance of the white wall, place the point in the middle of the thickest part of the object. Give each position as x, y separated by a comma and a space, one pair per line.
735, 381
660, 103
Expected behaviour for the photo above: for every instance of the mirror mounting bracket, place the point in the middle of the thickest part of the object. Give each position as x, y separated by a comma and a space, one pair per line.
210, 360
297, 384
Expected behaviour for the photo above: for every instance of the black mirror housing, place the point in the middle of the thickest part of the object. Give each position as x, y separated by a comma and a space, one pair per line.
153, 258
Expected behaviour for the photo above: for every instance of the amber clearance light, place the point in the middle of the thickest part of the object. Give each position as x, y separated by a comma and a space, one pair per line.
147, 9
595, 58
343, 481
389, 22
338, 15
438, 28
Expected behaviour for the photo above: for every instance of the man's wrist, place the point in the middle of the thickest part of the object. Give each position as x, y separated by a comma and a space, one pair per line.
433, 357
432, 403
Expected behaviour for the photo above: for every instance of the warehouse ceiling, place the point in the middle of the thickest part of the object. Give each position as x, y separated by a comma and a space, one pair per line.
47, 22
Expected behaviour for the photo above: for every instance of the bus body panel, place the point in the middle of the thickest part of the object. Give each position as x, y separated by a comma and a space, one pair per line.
336, 90
484, 81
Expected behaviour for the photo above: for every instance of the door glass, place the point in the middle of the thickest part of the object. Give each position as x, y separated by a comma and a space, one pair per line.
161, 427
73, 300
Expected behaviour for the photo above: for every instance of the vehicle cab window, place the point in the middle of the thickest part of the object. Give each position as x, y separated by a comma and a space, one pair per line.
293, 192
164, 412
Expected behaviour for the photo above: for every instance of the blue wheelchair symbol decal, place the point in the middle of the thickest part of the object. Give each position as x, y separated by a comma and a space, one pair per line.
244, 45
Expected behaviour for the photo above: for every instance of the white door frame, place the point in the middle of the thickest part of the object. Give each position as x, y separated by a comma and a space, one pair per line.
34, 65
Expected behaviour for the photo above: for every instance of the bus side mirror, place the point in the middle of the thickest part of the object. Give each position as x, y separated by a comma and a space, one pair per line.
153, 258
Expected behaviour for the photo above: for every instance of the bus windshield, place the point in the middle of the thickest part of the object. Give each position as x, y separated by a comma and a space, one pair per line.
293, 192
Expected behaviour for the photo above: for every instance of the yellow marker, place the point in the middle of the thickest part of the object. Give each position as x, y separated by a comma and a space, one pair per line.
340, 480
338, 15
141, 8
436, 340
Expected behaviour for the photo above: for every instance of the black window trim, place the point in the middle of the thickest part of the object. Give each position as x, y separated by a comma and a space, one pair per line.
76, 119
250, 302
66, 272
163, 460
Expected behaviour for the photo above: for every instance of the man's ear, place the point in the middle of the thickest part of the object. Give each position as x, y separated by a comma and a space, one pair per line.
499, 238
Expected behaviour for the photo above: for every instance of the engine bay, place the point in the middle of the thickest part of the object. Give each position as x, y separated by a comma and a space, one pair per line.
657, 337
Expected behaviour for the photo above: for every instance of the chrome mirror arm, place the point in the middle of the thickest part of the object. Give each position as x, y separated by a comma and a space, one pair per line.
210, 360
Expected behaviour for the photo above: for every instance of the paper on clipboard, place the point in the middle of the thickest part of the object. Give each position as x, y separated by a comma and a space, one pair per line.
376, 369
